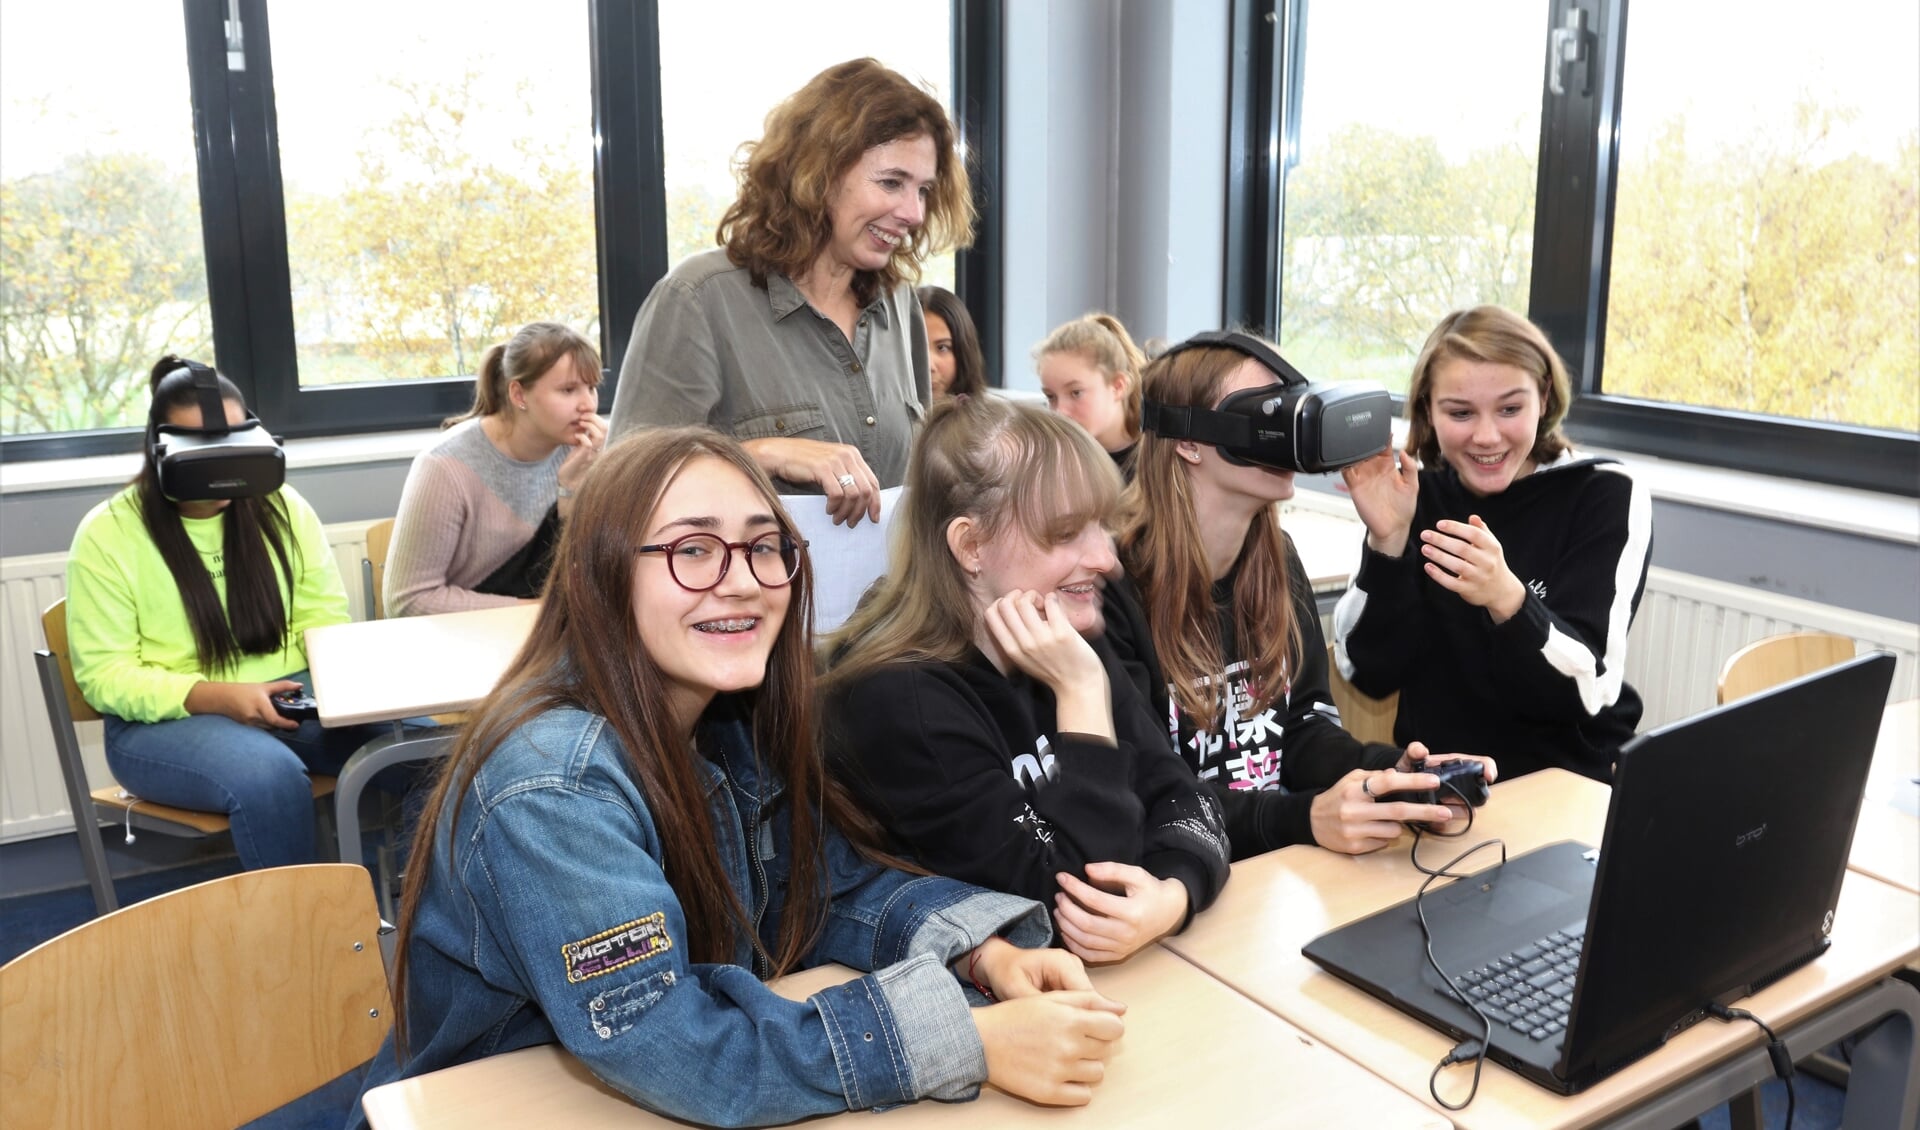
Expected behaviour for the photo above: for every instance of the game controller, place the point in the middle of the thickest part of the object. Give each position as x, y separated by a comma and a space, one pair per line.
1469, 777
297, 705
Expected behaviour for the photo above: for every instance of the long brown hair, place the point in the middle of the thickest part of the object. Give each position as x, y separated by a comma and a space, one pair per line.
1490, 333
257, 545
1161, 546
1004, 464
585, 652
782, 219
969, 363
526, 357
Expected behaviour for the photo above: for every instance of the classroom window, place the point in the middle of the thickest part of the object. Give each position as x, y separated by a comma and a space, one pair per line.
438, 179
705, 118
1398, 210
1764, 246
101, 262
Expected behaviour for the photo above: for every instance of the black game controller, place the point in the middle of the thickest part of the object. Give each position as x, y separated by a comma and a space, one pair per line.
297, 705
1469, 777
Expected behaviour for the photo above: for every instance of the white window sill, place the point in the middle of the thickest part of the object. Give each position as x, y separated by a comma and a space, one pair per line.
1865, 513
113, 470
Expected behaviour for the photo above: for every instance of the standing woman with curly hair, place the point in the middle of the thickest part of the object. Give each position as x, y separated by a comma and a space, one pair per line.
801, 335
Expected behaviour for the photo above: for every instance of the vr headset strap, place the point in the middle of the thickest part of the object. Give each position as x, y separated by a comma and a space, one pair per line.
213, 409
1202, 425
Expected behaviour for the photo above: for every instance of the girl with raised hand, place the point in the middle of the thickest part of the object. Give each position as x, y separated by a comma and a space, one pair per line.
1502, 569
1217, 622
483, 506
982, 715
185, 618
636, 830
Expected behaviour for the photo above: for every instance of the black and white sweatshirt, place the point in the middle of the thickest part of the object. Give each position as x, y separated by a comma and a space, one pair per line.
1546, 687
1264, 767
967, 770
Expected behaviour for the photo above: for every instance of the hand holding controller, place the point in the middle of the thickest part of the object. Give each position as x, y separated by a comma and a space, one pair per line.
1465, 775
297, 705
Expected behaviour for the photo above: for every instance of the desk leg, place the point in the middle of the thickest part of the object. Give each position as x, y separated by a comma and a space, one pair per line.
1885, 1088
368, 760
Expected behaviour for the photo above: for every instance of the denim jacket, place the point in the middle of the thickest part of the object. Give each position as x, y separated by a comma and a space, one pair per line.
548, 918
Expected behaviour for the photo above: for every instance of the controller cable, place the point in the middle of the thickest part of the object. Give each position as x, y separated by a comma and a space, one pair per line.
1466, 1049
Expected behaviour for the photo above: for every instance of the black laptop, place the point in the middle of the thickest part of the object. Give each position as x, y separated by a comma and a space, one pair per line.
1719, 871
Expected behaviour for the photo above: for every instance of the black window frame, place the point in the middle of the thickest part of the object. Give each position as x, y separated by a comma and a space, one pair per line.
1573, 241
243, 216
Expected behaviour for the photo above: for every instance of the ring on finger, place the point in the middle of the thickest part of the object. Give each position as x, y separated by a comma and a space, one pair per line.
846, 482
1366, 786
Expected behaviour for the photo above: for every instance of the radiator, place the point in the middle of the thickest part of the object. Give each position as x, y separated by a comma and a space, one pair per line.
33, 798
1686, 628
1688, 625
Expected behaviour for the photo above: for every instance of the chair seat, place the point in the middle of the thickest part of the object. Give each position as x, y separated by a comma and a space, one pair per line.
207, 823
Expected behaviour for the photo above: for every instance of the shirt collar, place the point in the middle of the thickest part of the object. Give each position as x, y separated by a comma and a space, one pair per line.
784, 298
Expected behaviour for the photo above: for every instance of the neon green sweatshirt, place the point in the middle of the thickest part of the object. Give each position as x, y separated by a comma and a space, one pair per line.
133, 652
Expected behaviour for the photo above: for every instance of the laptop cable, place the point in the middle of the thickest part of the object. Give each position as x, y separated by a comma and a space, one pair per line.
1466, 1049
1776, 1048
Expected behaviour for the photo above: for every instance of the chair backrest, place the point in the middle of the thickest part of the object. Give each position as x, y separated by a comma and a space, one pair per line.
53, 623
1777, 659
373, 570
1369, 719
208, 1006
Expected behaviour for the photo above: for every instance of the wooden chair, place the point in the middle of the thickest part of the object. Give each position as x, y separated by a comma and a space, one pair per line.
207, 1006
373, 568
65, 708
1369, 719
1778, 659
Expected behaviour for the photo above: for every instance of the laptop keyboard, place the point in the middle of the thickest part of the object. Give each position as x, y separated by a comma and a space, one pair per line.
1531, 989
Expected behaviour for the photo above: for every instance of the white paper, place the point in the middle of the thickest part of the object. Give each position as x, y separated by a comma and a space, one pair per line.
845, 559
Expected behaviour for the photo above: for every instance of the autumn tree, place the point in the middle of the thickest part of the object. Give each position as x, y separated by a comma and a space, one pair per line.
101, 271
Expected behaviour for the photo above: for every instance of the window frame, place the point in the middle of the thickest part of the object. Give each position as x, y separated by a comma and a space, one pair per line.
243, 217
1573, 243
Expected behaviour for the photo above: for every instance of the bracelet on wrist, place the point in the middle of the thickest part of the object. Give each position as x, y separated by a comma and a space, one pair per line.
973, 959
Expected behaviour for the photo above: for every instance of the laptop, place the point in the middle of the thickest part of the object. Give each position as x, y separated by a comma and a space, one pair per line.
1719, 870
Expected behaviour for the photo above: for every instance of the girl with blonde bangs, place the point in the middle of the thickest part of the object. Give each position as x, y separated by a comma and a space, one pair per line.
1217, 625
637, 830
981, 715
1090, 372
801, 334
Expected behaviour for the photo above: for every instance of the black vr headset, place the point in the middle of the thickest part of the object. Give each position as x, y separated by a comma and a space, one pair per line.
1290, 425
216, 460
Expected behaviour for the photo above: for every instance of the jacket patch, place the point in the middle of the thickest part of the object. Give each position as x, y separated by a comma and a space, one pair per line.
624, 945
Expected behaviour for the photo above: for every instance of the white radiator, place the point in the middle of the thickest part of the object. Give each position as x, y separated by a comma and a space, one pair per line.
1686, 628
1688, 625
33, 798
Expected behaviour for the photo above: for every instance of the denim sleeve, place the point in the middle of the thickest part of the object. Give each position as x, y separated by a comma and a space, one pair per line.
572, 908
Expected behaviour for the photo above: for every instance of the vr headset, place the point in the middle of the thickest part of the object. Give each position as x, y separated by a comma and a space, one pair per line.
1292, 424
215, 460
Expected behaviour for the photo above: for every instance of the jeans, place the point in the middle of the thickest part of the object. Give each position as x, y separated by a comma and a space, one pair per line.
259, 778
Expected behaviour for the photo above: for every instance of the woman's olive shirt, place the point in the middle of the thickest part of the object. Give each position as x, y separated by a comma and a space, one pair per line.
709, 347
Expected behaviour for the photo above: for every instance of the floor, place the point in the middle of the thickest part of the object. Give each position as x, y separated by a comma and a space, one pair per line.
28, 920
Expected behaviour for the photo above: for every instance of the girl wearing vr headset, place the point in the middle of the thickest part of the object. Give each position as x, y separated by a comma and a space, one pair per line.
1502, 569
483, 506
980, 712
1217, 623
185, 617
636, 830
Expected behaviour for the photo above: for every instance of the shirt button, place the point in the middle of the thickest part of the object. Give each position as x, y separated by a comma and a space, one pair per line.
869, 421
779, 425
854, 368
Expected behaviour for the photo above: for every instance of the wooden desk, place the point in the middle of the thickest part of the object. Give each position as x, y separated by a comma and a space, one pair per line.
382, 670
1276, 903
1886, 843
1186, 1036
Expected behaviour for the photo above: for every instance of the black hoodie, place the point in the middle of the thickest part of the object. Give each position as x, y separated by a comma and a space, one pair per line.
1264, 768
967, 770
1545, 688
